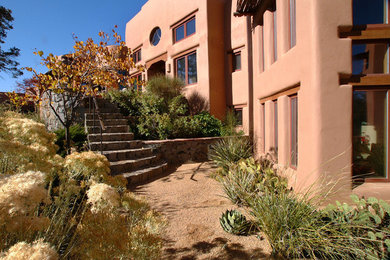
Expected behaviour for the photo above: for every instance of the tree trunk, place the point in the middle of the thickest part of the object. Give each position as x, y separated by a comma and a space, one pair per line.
67, 138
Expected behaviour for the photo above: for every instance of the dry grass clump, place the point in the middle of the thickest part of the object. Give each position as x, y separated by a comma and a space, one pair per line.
75, 209
38, 250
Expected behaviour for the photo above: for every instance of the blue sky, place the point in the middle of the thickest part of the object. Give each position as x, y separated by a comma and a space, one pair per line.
48, 25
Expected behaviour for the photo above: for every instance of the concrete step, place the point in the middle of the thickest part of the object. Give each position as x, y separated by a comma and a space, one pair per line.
116, 145
111, 137
128, 154
120, 167
109, 129
145, 174
89, 116
107, 122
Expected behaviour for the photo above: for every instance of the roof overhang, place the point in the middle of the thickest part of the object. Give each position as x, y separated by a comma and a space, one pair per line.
255, 8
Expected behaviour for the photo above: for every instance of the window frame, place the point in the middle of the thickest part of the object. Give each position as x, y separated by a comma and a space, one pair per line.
292, 10
184, 24
137, 56
239, 120
293, 150
276, 129
186, 67
275, 35
387, 123
138, 79
234, 64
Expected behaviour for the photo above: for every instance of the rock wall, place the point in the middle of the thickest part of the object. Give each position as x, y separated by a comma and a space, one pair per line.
178, 151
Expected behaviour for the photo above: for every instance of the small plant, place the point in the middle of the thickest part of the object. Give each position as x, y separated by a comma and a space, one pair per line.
233, 222
78, 139
229, 125
230, 150
208, 125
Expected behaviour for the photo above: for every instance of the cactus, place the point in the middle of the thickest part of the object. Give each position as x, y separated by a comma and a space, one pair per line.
235, 223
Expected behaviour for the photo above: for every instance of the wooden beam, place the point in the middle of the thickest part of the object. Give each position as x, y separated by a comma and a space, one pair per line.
366, 80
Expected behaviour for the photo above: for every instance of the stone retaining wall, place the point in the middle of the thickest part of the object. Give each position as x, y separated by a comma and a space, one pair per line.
178, 151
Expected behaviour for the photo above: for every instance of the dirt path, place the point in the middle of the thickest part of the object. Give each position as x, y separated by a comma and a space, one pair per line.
192, 202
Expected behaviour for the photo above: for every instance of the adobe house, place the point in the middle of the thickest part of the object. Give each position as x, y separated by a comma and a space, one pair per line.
310, 78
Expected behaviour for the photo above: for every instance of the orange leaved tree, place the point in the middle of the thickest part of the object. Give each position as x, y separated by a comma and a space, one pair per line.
90, 69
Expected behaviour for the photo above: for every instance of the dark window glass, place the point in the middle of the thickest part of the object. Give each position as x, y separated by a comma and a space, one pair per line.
370, 12
276, 140
190, 26
294, 131
184, 30
238, 113
293, 29
237, 61
139, 55
179, 33
275, 37
370, 58
137, 84
155, 36
370, 128
192, 70
181, 68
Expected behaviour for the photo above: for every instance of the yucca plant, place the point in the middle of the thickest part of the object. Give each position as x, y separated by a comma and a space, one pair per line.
230, 150
233, 222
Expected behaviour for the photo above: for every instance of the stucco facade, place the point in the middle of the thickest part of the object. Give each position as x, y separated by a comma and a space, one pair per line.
295, 84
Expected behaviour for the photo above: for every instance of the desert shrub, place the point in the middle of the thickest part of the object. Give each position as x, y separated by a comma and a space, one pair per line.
229, 124
165, 87
228, 151
296, 227
78, 139
249, 177
36, 250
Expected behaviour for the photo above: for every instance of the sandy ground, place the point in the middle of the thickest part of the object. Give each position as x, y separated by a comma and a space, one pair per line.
192, 203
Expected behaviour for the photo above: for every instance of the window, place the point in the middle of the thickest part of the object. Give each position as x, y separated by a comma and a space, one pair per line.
137, 84
294, 131
184, 30
237, 61
136, 56
370, 12
238, 114
293, 29
276, 141
262, 48
275, 34
155, 36
370, 58
370, 133
263, 108
186, 68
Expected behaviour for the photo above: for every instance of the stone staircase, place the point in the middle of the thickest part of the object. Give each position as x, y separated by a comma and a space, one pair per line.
128, 157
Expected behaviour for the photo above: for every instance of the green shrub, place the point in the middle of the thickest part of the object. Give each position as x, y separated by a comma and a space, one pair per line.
127, 100
208, 125
228, 151
233, 222
78, 139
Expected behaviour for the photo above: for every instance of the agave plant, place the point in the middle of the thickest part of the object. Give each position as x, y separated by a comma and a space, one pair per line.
233, 222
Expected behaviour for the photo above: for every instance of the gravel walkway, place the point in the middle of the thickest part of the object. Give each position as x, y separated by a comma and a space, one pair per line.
192, 203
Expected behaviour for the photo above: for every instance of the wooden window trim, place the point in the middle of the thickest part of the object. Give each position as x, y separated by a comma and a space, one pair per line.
186, 67
291, 22
234, 68
286, 92
276, 128
373, 32
373, 88
184, 24
295, 96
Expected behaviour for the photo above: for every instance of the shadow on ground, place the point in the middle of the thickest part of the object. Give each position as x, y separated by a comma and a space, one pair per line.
219, 248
